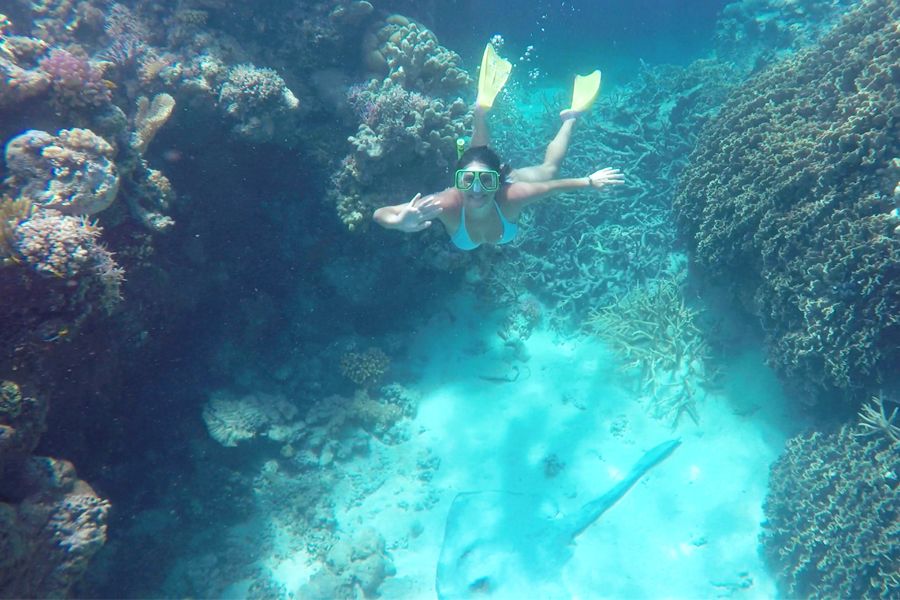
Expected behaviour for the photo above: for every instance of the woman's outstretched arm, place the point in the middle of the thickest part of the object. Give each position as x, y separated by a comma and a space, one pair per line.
525, 193
412, 216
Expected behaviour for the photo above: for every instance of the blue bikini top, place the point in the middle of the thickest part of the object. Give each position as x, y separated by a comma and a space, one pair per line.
464, 242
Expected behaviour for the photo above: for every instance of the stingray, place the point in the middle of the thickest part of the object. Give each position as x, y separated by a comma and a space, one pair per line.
511, 545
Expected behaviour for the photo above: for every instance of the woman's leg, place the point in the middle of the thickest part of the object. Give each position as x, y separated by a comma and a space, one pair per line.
553, 157
481, 135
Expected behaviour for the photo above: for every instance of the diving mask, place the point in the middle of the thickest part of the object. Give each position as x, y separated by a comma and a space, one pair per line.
487, 181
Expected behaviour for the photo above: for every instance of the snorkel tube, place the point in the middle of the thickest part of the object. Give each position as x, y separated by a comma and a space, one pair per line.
460, 147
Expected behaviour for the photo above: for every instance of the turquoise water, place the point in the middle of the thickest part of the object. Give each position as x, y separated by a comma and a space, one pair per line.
682, 386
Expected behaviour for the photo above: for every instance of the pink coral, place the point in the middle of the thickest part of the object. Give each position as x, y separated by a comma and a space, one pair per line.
74, 81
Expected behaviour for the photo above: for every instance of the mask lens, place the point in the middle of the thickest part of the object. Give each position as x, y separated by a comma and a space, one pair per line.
465, 179
489, 180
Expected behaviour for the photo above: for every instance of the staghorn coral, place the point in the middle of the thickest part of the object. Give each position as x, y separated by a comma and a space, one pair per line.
831, 528
873, 420
365, 368
397, 128
71, 172
789, 199
652, 329
409, 54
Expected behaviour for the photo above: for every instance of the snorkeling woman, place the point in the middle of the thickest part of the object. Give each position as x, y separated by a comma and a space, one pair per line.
487, 198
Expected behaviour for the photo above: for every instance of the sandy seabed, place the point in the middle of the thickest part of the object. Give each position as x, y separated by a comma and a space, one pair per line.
688, 529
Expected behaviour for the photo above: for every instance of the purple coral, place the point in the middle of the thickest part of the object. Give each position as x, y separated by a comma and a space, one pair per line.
74, 81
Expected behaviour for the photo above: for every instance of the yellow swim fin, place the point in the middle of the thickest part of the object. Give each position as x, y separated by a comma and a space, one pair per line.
586, 90
493, 75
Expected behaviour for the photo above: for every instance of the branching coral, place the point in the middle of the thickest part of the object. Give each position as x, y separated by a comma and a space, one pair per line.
789, 198
652, 329
584, 250
754, 33
873, 419
831, 528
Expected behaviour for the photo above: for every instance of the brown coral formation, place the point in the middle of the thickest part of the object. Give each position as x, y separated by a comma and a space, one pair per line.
790, 198
832, 529
408, 53
51, 522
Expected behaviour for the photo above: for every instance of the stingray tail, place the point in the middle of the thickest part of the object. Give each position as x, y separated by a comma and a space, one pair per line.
591, 511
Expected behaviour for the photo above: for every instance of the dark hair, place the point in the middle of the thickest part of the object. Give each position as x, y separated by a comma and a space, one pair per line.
484, 155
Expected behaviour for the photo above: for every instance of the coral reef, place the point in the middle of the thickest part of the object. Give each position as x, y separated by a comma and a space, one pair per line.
413, 116
54, 273
652, 329
756, 33
71, 172
75, 82
831, 528
409, 54
258, 99
147, 191
579, 250
789, 199
51, 523
352, 567
398, 128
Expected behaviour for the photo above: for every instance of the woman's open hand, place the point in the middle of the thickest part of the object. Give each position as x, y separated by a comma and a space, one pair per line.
604, 177
418, 213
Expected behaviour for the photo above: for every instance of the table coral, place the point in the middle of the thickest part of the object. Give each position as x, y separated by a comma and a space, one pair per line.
789, 199
71, 172
831, 528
